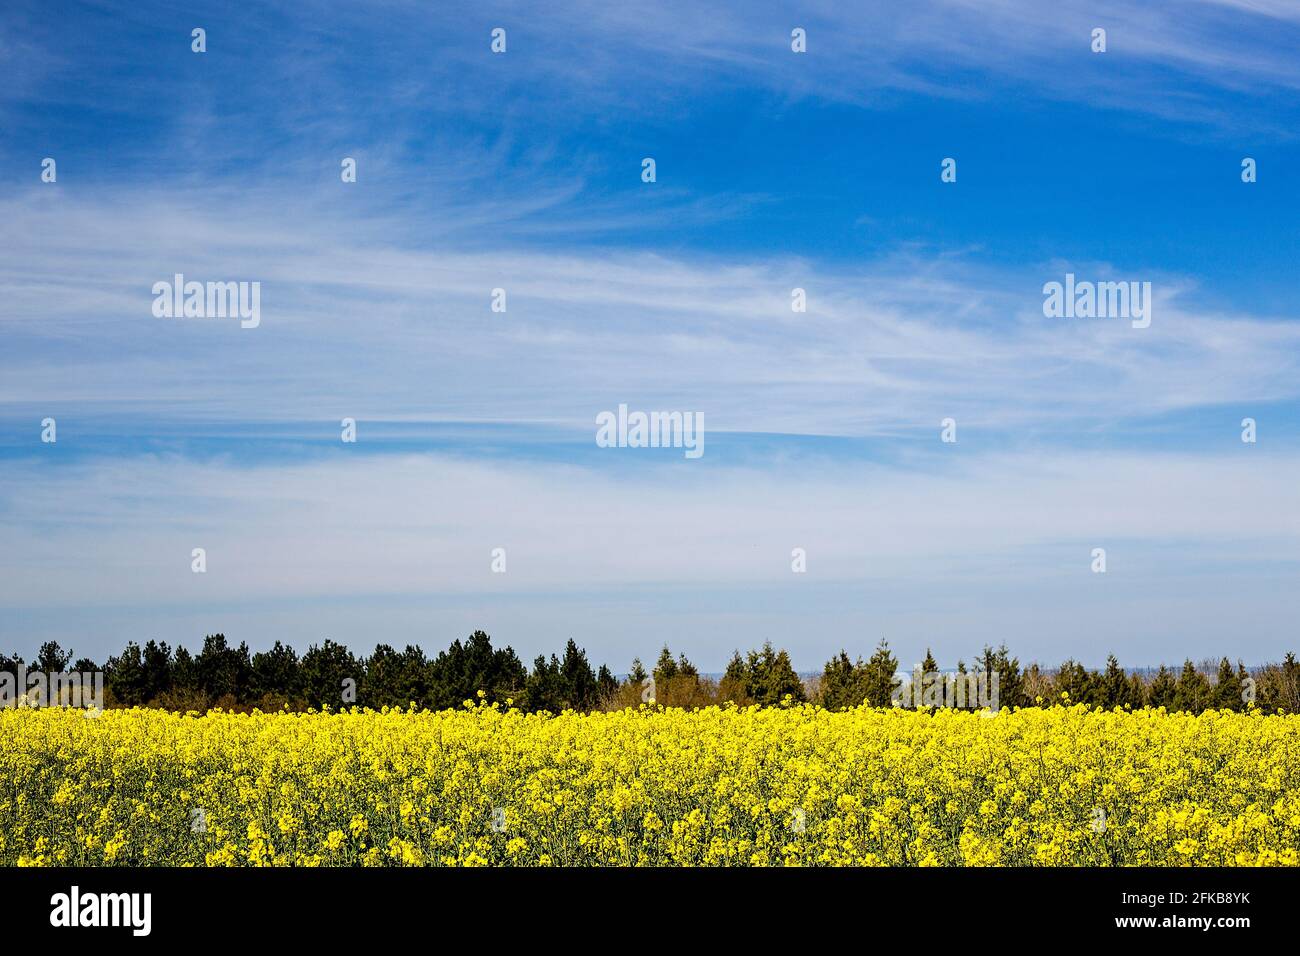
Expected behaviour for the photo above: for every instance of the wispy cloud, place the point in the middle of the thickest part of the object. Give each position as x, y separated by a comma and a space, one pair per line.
887, 545
357, 324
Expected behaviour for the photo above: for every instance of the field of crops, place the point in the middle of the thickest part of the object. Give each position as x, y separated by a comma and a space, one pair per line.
717, 786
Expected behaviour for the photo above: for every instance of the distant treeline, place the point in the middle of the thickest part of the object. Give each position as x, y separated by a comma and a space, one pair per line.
330, 675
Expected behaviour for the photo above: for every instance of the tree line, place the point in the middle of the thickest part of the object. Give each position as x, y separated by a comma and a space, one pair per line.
330, 675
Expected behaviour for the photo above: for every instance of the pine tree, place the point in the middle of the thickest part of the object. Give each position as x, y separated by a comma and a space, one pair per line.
126, 678
381, 681
1007, 668
1114, 690
880, 679
51, 658
1076, 681
1227, 688
606, 684
545, 689
326, 672
843, 683
185, 676
1193, 693
929, 665
1137, 692
223, 670
580, 691
685, 668
465, 668
734, 685
1163, 691
665, 668
274, 674
156, 658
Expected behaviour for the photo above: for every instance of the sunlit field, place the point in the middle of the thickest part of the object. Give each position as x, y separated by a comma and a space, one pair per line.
714, 787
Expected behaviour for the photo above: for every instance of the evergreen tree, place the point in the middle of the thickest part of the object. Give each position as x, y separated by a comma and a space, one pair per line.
156, 658
879, 676
223, 670
1248, 686
1279, 686
929, 665
580, 690
185, 674
1227, 688
1115, 690
685, 668
770, 677
274, 673
10, 664
326, 672
734, 685
843, 683
1137, 692
393, 679
51, 658
125, 677
545, 689
464, 669
1079, 683
666, 667
1163, 691
606, 684
1193, 692
1007, 668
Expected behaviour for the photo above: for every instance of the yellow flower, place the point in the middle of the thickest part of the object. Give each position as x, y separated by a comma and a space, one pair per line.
650, 786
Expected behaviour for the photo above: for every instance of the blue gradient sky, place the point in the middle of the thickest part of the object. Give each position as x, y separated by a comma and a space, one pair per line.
775, 170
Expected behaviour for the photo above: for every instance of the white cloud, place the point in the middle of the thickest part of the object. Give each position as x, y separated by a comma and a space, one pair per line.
356, 324
397, 548
121, 531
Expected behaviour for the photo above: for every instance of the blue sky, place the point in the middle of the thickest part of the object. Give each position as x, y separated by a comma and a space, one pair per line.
775, 170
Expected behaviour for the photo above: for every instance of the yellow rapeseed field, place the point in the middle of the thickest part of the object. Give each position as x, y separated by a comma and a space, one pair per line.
716, 786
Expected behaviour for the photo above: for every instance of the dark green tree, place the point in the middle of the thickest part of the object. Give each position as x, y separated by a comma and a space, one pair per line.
1163, 691
1010, 683
1115, 689
156, 658
580, 689
1081, 684
275, 673
393, 679
666, 667
770, 677
126, 678
51, 658
880, 676
185, 675
843, 683
1227, 688
1193, 693
463, 669
545, 689
606, 684
328, 672
223, 670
